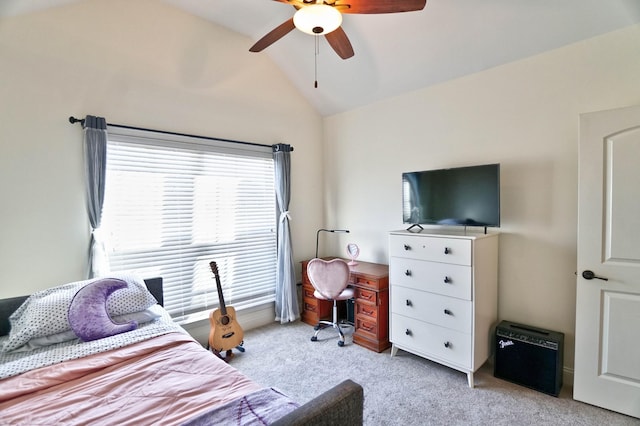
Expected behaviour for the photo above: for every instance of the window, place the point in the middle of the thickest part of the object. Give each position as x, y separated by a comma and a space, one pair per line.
175, 203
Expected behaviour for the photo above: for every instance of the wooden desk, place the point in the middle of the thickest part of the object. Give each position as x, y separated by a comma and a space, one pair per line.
371, 308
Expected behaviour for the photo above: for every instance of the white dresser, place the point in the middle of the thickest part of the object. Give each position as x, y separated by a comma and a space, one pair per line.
444, 296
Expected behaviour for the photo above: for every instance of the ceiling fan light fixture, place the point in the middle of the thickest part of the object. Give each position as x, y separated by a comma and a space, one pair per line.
317, 19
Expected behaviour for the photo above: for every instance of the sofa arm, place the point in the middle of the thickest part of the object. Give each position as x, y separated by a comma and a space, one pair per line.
341, 405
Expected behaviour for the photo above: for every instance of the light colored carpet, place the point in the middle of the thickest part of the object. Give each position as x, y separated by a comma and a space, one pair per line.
406, 389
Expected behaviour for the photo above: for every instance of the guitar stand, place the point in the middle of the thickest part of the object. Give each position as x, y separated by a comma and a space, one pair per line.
228, 353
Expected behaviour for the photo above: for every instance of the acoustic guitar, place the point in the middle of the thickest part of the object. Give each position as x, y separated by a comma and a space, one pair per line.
225, 333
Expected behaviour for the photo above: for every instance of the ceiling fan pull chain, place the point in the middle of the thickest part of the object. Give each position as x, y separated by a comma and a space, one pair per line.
317, 48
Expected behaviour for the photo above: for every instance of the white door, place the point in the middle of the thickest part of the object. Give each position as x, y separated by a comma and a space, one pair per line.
607, 361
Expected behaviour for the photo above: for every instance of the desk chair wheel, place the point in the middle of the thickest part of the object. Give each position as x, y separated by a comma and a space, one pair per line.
315, 339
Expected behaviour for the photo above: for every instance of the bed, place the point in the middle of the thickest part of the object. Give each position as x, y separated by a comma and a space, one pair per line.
104, 351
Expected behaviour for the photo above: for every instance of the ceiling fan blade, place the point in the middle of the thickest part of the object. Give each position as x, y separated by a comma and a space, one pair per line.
339, 41
378, 6
273, 36
296, 3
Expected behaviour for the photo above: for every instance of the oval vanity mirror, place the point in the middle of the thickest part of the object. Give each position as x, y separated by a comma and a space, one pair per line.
353, 251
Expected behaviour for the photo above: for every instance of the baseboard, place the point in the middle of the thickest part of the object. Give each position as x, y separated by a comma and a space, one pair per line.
257, 316
567, 376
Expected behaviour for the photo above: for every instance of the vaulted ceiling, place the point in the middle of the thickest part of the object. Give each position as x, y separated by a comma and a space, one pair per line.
396, 53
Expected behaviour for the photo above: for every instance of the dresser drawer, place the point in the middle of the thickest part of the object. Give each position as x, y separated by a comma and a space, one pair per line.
441, 278
431, 340
437, 249
448, 312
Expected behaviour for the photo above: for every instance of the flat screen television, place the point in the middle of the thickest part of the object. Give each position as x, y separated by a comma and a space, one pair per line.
462, 196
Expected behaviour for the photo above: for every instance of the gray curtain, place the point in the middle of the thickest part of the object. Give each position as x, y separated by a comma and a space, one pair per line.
95, 163
286, 295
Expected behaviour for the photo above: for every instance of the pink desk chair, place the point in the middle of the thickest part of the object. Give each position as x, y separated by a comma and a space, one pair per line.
330, 279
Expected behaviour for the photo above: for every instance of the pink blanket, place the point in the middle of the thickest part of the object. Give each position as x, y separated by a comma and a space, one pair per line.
164, 380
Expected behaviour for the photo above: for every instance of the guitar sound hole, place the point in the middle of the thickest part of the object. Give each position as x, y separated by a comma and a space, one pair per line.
224, 320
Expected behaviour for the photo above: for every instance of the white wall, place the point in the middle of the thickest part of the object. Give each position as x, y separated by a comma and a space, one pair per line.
523, 115
146, 64
142, 64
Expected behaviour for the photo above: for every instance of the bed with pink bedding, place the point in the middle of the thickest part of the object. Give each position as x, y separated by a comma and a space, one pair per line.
57, 373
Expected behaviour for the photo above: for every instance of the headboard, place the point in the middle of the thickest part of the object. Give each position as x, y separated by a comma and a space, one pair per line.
8, 306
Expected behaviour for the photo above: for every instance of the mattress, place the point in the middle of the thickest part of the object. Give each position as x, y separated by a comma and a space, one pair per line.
166, 379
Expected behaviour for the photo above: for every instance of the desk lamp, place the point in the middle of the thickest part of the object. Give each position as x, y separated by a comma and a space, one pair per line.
328, 230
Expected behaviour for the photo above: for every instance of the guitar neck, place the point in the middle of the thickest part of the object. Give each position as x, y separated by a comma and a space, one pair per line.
223, 307
214, 269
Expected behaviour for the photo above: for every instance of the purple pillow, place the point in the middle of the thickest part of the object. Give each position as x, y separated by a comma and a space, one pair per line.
88, 314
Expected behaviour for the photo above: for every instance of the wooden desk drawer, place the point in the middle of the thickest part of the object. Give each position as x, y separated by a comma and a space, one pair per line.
366, 327
313, 310
366, 296
367, 310
441, 278
431, 340
307, 291
361, 281
448, 312
437, 249
311, 305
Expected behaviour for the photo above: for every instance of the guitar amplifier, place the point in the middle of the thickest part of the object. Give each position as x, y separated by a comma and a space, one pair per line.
529, 356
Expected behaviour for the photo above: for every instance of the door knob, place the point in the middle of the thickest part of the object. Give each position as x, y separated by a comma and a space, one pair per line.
589, 275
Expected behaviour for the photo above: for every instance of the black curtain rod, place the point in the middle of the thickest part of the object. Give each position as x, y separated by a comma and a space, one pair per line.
276, 147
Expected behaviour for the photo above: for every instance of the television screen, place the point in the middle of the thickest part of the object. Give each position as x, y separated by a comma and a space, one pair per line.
466, 196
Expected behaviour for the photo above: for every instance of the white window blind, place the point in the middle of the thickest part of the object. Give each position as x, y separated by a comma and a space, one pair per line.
175, 203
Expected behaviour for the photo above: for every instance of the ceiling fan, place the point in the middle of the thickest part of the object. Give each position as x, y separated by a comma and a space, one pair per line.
324, 17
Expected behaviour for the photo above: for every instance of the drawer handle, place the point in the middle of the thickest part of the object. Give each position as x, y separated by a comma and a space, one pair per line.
447, 345
366, 296
447, 280
366, 327
364, 311
447, 250
407, 273
408, 332
407, 247
409, 303
448, 312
